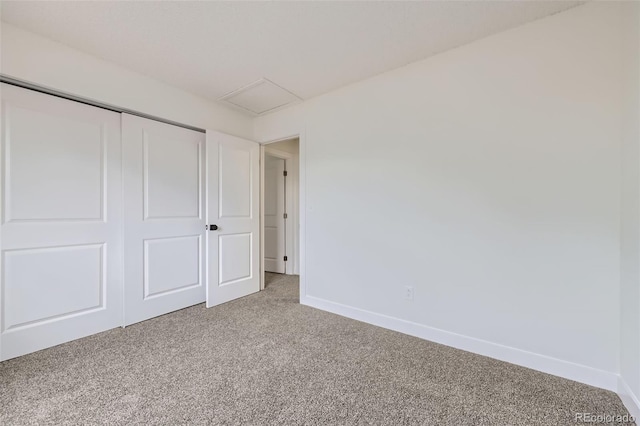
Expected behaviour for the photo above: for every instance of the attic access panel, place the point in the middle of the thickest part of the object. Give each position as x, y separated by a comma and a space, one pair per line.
260, 97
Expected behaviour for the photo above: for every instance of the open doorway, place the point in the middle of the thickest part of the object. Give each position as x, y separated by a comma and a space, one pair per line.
280, 207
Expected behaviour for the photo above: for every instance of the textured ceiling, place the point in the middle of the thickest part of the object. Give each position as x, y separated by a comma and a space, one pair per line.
213, 48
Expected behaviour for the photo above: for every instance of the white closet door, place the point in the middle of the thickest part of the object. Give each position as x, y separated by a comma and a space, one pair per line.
61, 221
233, 240
164, 217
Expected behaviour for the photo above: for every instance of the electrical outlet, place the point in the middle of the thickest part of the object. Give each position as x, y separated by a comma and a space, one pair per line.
408, 292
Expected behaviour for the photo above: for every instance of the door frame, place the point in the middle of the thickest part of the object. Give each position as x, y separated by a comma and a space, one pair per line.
300, 217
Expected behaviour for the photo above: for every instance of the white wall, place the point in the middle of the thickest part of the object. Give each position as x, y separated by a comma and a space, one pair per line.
486, 177
39, 60
630, 241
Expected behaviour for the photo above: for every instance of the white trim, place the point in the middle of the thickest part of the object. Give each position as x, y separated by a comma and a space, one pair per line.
261, 217
294, 223
630, 401
302, 211
568, 370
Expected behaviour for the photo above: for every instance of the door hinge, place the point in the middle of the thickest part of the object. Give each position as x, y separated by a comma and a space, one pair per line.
285, 216
284, 173
285, 258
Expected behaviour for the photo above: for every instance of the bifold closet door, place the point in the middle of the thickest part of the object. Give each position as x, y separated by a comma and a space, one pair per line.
233, 185
164, 228
61, 224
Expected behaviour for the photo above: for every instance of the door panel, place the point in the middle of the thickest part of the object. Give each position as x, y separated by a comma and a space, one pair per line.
234, 258
164, 218
171, 264
69, 152
74, 273
235, 169
274, 209
61, 221
172, 177
233, 206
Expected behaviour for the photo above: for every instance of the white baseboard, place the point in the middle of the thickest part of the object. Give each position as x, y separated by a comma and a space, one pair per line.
568, 370
631, 401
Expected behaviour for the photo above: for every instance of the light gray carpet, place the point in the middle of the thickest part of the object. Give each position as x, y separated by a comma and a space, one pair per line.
265, 359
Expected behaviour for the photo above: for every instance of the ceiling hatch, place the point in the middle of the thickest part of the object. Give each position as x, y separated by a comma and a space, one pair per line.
260, 97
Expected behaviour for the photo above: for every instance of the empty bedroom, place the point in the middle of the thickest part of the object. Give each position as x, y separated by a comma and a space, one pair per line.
320, 212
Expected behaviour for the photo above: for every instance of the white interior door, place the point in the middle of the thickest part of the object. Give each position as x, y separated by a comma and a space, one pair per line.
164, 217
61, 248
233, 217
274, 215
